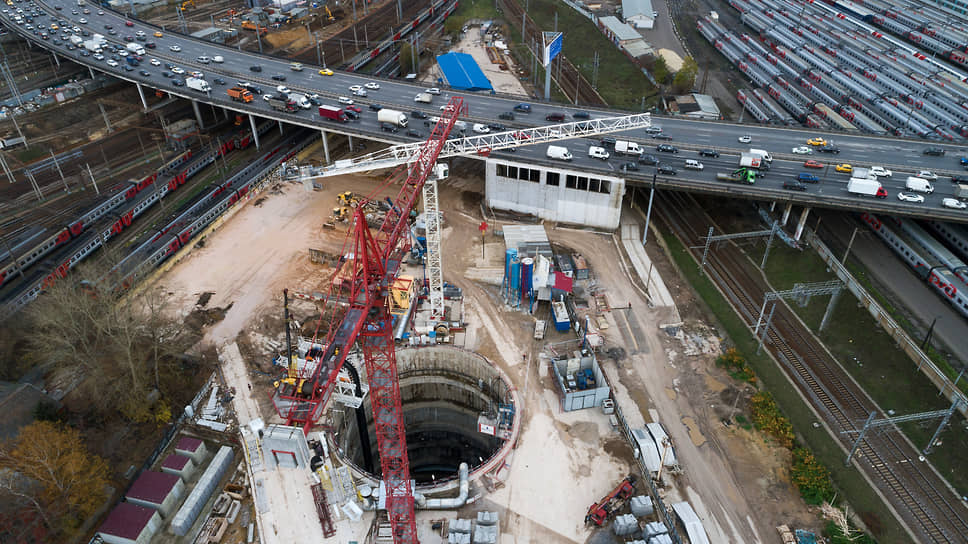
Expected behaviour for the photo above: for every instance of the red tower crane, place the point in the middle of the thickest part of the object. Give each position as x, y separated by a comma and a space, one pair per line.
371, 260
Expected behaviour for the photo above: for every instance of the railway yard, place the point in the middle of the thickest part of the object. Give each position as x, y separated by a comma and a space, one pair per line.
556, 382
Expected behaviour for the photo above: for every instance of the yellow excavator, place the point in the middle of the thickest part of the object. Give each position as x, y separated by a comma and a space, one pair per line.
329, 15
187, 3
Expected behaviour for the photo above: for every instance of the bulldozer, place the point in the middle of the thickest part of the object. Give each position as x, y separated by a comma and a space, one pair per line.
340, 213
349, 198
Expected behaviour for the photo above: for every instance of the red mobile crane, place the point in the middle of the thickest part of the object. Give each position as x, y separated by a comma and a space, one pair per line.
373, 260
599, 512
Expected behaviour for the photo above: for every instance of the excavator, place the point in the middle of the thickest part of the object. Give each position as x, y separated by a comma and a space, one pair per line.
186, 3
329, 15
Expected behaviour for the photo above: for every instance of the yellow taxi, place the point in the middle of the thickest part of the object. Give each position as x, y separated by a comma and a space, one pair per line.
158, 34
846, 168
54, 27
817, 141
325, 72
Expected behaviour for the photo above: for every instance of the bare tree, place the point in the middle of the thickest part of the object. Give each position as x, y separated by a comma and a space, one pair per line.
114, 339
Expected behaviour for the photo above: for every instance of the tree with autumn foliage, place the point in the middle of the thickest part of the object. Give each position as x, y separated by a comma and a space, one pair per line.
811, 477
49, 482
768, 418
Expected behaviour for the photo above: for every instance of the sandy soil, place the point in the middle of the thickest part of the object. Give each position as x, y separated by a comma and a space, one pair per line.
563, 461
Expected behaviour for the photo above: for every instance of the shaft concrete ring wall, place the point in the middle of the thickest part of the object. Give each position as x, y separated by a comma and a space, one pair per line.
443, 390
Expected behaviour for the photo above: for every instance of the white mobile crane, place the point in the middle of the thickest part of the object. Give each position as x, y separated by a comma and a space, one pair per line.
482, 145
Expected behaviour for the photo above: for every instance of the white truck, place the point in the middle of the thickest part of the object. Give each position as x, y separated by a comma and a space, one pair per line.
747, 160
393, 117
761, 153
862, 173
596, 152
623, 147
425, 98
95, 44
197, 84
866, 187
558, 152
76, 40
919, 185
218, 59
301, 100
136, 48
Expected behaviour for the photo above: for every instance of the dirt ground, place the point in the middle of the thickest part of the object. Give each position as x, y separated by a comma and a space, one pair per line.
562, 461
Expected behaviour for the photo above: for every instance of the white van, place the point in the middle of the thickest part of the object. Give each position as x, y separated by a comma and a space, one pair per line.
596, 152
218, 59
558, 152
300, 99
693, 164
918, 184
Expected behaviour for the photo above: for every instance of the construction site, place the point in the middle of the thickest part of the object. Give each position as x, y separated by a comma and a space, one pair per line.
397, 360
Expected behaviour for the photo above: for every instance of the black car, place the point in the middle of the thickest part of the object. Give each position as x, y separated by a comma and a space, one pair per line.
794, 185
629, 167
608, 141
250, 87
418, 115
414, 133
108, 27
936, 151
507, 116
85, 53
667, 170
556, 117
150, 45
648, 159
376, 107
386, 127
580, 115
165, 74
829, 149
959, 179
496, 127
177, 82
127, 68
218, 81
145, 73
255, 68
661, 136
351, 114
279, 77
583, 126
129, 38
709, 153
666, 148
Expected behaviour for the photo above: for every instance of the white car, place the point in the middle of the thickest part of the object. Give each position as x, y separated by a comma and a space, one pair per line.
112, 63
881, 172
82, 20
373, 86
745, 139
155, 62
928, 175
433, 90
283, 89
98, 56
359, 92
345, 100
954, 203
802, 150
447, 107
481, 128
100, 12
266, 97
175, 48
177, 70
355, 88
910, 197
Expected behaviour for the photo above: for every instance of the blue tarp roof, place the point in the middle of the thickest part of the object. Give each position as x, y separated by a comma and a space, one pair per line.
463, 73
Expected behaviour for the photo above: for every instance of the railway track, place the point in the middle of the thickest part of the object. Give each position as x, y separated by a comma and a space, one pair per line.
576, 88
918, 494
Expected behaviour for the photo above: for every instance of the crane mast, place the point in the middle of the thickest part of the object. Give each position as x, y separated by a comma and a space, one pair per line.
370, 264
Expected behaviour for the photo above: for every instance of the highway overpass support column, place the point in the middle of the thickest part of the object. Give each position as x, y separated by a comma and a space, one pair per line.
141, 93
350, 138
198, 115
786, 214
801, 223
280, 127
255, 131
325, 147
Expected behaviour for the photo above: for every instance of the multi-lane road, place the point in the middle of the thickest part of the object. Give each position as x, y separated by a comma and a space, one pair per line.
904, 157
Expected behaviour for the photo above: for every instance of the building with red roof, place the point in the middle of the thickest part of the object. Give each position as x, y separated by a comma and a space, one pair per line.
130, 524
157, 490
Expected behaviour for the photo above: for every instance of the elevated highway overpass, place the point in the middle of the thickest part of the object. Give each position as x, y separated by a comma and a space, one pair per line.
904, 157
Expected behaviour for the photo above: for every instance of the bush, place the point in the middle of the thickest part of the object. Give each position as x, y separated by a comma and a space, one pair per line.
767, 418
836, 536
810, 477
735, 365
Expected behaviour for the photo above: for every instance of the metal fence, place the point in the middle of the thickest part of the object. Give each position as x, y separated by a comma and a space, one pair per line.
925, 365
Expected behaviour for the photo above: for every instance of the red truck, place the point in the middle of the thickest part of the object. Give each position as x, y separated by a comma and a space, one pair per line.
333, 113
599, 512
